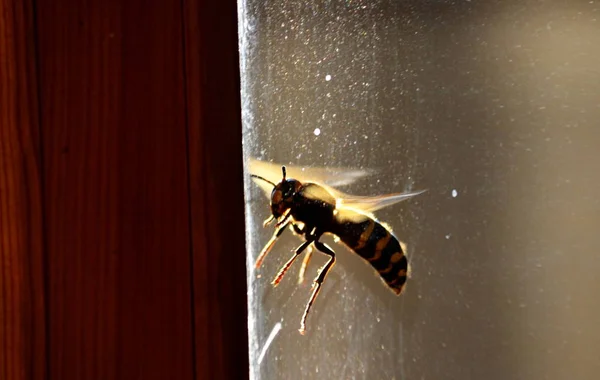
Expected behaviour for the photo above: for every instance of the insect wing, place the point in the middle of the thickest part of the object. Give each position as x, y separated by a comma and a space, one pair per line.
372, 204
325, 176
357, 208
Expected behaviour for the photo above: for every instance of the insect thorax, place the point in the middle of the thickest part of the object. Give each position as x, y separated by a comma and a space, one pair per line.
316, 212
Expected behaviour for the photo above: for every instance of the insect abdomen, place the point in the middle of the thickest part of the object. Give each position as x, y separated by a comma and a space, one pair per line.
374, 243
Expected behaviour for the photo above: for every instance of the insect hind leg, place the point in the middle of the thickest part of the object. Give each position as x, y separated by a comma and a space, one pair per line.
318, 281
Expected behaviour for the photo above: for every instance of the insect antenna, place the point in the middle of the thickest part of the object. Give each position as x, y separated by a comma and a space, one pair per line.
263, 179
283, 170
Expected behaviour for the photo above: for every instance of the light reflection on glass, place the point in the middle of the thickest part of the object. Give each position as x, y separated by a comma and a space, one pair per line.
494, 108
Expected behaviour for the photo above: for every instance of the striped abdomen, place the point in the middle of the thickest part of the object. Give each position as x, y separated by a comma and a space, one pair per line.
374, 243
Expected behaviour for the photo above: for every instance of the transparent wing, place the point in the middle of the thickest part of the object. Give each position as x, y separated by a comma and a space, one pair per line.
327, 177
356, 207
372, 204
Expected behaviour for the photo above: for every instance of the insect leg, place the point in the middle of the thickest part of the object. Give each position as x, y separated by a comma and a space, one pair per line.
318, 281
268, 220
305, 262
298, 230
309, 251
284, 218
269, 245
287, 265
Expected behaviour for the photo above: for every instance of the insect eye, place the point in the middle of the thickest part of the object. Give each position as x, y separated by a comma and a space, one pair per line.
276, 197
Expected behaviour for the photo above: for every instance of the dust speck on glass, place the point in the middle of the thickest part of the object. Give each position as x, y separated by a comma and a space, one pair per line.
492, 106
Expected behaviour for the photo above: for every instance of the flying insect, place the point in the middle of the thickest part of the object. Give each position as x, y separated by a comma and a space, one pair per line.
313, 208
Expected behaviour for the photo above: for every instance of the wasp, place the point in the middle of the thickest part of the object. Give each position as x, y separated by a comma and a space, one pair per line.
312, 209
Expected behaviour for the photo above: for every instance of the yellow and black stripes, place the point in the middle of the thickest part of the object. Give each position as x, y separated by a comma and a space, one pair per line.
374, 243
320, 210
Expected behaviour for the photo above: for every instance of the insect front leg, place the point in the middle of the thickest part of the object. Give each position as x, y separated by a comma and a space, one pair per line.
318, 281
289, 263
270, 244
268, 220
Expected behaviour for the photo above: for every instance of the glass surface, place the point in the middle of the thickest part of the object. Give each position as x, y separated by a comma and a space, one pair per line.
494, 107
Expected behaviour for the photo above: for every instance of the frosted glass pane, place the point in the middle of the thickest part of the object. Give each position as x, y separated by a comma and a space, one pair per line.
494, 107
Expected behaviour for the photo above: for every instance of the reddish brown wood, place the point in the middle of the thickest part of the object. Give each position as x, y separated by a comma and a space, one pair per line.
116, 189
103, 195
212, 69
22, 335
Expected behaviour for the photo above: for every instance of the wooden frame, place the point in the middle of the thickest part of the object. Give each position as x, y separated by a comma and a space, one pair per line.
122, 229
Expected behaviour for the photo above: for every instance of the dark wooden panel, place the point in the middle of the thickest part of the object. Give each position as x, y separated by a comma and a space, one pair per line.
216, 189
22, 333
116, 196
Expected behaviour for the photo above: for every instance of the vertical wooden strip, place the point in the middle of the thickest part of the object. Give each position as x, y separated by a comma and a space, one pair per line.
154, 203
22, 332
79, 72
116, 189
215, 144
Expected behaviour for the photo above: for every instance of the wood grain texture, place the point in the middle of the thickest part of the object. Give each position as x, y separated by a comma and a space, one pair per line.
216, 182
116, 189
121, 192
22, 334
